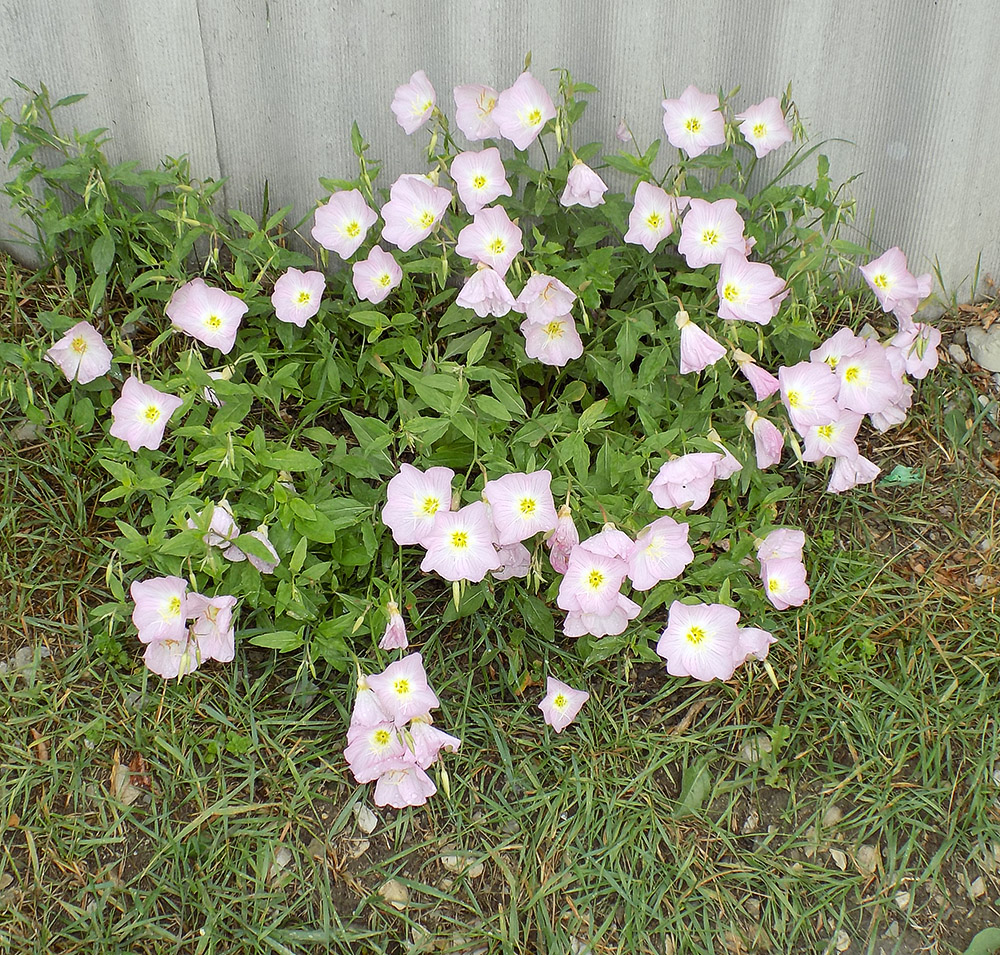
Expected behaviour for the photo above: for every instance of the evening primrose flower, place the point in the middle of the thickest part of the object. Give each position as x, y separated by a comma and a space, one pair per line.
918, 346
700, 640
415, 206
685, 481
296, 297
207, 314
693, 122
343, 222
402, 689
867, 382
849, 472
809, 392
413, 499
81, 354
141, 413
562, 540
544, 298
490, 239
485, 293
579, 623
474, 104
654, 215
480, 178
591, 583
522, 110
161, 610
764, 384
836, 439
784, 580
660, 552
555, 342
521, 505
460, 544
561, 703
374, 750
708, 230
748, 291
403, 786
752, 643
394, 637
698, 348
376, 276
172, 658
896, 288
763, 126
414, 102
213, 628
768, 440
583, 187
780, 544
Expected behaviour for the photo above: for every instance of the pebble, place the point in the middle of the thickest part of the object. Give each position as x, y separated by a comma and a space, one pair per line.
843, 941
984, 346
957, 353
977, 889
395, 893
365, 818
462, 864
902, 900
832, 816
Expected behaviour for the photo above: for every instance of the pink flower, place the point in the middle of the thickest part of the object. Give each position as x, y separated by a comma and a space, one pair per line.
521, 505
367, 712
748, 291
207, 314
403, 787
491, 239
376, 276
752, 644
81, 354
693, 122
415, 206
844, 344
515, 561
460, 544
222, 531
343, 222
522, 110
428, 741
394, 637
764, 384
660, 552
698, 348
700, 640
896, 289
610, 542
213, 627
562, 540
809, 392
784, 580
561, 703
161, 610
686, 481
554, 343
141, 413
918, 346
480, 178
402, 689
486, 294
543, 299
172, 658
591, 583
764, 126
374, 750
727, 465
654, 215
708, 230
414, 102
781, 544
474, 111
610, 624
413, 499
297, 295
768, 440
622, 133
263, 565
867, 382
834, 440
849, 472
583, 187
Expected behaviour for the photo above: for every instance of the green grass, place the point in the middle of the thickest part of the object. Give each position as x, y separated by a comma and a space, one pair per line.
672, 817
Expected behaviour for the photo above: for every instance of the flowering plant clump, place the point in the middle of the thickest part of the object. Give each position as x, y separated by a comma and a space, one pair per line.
566, 385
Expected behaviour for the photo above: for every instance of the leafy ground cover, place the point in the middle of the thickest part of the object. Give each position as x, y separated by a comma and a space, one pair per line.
853, 806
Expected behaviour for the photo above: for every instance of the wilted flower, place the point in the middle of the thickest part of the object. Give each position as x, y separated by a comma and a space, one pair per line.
782, 543
265, 566
918, 345
561, 703
213, 627
764, 384
562, 540
81, 354
579, 623
296, 296
207, 314
698, 348
343, 222
394, 637
414, 102
522, 110
693, 122
764, 127
402, 787
376, 276
849, 472
474, 111
141, 413
768, 440
515, 561
583, 187
752, 644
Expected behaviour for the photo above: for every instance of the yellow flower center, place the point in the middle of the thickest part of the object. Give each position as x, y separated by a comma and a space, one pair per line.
774, 584
594, 579
420, 108
793, 399
174, 607
459, 540
760, 130
78, 345
881, 280
528, 506
654, 221
385, 280
479, 182
554, 330
431, 505
832, 360
214, 322
534, 117
353, 228
695, 635
693, 124
382, 737
709, 237
304, 297
731, 292
497, 246
486, 103
426, 218
852, 374
152, 414
560, 702
825, 431
401, 687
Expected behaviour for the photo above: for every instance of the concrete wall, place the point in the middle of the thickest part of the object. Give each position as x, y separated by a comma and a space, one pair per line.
267, 89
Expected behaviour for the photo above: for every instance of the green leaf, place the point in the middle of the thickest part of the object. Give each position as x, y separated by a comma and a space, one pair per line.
283, 640
902, 476
592, 415
102, 253
289, 459
696, 786
478, 348
986, 942
539, 617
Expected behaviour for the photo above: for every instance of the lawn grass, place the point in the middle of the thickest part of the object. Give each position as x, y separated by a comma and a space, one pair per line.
859, 795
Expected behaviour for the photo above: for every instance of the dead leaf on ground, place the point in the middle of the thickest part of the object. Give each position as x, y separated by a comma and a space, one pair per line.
121, 782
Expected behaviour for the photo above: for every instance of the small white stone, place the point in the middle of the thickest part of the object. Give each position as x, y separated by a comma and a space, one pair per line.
984, 346
842, 942
957, 354
365, 818
902, 900
832, 816
868, 859
282, 856
977, 889
356, 848
395, 893
893, 930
